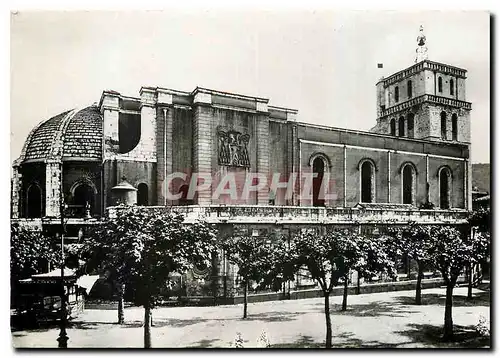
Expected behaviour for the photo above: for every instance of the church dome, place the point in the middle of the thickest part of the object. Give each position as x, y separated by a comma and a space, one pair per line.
71, 135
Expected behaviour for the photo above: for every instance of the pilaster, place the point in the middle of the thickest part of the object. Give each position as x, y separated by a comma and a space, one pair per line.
146, 148
15, 191
262, 140
110, 110
53, 181
202, 142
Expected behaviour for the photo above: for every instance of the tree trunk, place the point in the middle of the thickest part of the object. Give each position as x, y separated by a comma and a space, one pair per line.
121, 305
418, 292
470, 269
358, 284
344, 296
147, 324
245, 299
408, 267
448, 320
328, 320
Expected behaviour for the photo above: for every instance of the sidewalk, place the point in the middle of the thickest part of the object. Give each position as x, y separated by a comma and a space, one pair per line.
385, 320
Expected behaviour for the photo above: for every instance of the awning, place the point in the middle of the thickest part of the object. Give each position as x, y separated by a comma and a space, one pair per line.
87, 282
55, 274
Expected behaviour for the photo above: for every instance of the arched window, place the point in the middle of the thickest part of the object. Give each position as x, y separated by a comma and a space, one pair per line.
184, 190
393, 126
454, 126
34, 201
401, 126
440, 84
84, 196
396, 93
409, 89
142, 195
408, 184
443, 125
129, 131
444, 188
452, 87
367, 182
411, 124
319, 168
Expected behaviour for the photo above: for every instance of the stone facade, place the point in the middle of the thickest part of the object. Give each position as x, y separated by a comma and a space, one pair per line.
180, 132
229, 138
435, 88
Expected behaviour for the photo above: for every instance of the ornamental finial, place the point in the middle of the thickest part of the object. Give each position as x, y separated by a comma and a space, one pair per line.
421, 49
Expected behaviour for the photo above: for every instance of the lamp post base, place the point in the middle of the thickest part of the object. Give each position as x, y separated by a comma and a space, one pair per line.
63, 339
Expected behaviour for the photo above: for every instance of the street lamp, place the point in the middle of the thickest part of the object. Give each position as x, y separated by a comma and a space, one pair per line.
63, 336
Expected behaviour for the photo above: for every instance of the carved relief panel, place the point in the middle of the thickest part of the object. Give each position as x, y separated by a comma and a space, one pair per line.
233, 148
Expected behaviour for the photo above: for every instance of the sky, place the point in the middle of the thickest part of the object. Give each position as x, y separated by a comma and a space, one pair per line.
323, 62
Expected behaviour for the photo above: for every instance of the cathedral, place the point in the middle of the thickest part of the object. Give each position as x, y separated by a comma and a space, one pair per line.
245, 164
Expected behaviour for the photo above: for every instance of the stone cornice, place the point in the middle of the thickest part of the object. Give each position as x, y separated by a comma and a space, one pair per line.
426, 98
424, 65
381, 135
229, 95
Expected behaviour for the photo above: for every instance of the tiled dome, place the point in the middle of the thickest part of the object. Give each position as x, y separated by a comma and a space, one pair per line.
78, 133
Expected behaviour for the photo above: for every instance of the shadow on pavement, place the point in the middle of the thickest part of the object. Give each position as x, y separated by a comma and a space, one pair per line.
204, 343
280, 316
302, 342
478, 299
172, 322
463, 336
348, 341
373, 309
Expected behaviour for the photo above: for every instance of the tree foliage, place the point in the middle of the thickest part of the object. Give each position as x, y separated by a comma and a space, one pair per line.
328, 256
480, 218
252, 255
377, 257
142, 246
451, 251
30, 252
320, 254
258, 259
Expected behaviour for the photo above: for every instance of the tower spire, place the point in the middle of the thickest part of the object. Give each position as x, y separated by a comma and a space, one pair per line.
421, 48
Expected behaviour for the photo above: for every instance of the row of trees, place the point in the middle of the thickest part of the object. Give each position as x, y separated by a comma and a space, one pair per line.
142, 247
330, 256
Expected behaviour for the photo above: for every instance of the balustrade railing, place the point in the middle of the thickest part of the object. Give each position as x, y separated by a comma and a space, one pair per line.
426, 98
299, 214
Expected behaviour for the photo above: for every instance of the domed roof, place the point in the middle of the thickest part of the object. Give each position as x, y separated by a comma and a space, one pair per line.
77, 133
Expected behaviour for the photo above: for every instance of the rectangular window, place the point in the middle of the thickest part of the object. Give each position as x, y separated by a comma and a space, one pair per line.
454, 129
443, 128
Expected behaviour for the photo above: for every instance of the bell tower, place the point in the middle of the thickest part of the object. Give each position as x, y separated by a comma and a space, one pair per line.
425, 101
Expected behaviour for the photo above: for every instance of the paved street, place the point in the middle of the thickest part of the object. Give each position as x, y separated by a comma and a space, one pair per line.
372, 320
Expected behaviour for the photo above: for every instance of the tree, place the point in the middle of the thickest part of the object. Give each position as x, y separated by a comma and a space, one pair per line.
377, 257
346, 244
146, 245
30, 252
415, 241
479, 223
451, 251
97, 255
320, 254
256, 258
